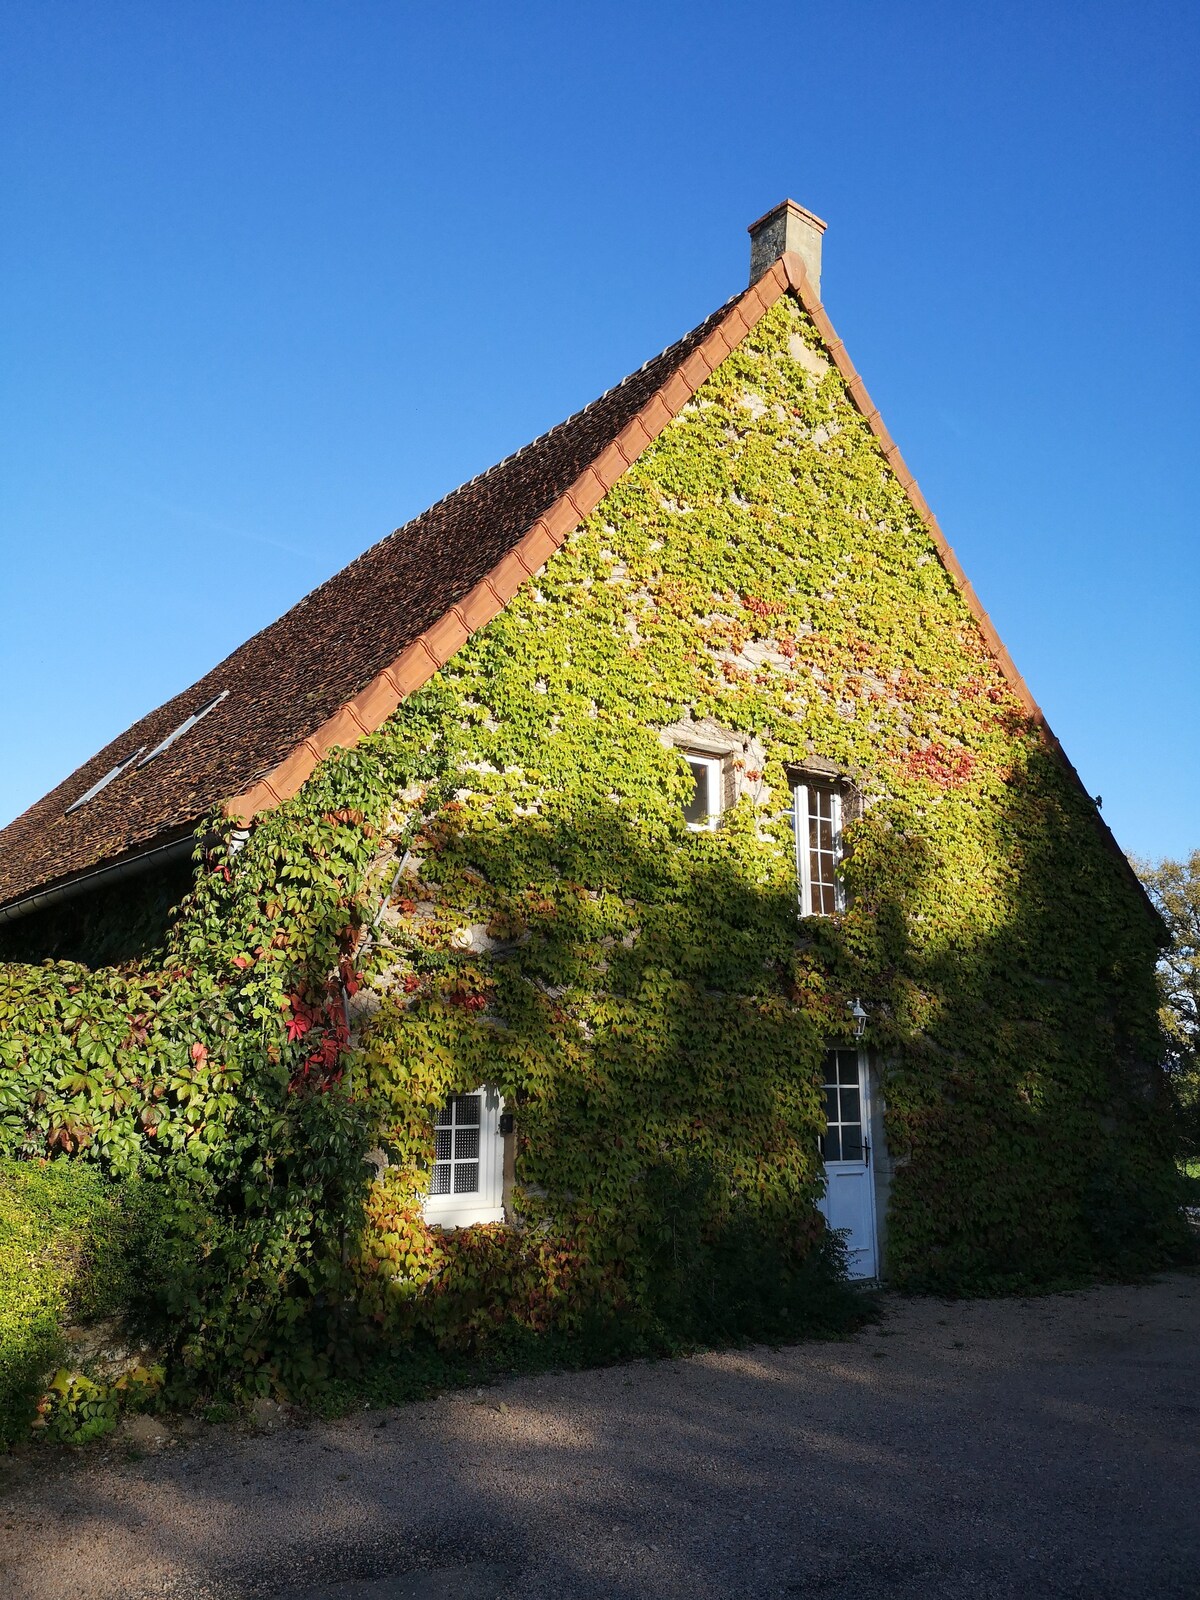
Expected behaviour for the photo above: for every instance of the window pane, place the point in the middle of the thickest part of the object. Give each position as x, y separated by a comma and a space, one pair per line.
851, 1144
443, 1116
850, 1108
466, 1109
831, 1105
441, 1180
466, 1144
696, 811
466, 1177
828, 901
442, 1140
833, 1145
847, 1066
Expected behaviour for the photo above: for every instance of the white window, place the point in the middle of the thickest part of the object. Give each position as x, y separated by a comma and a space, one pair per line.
467, 1182
704, 807
818, 820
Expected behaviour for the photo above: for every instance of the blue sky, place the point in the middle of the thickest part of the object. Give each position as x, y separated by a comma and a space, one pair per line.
275, 277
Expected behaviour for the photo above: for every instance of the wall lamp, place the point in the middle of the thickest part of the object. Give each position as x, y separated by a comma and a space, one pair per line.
858, 1015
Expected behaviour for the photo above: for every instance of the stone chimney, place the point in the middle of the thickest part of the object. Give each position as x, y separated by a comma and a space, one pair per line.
787, 227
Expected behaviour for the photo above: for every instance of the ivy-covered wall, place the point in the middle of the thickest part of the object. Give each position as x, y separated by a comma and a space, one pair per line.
504, 878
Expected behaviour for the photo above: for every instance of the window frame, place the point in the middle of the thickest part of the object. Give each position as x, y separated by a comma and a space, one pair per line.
485, 1204
714, 766
802, 818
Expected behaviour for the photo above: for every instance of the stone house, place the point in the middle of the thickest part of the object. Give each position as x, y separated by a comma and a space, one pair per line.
757, 846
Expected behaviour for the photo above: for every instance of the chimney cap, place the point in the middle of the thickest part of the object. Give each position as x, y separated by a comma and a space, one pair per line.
786, 227
804, 215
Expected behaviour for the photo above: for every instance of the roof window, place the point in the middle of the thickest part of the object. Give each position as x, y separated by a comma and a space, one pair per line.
103, 783
184, 726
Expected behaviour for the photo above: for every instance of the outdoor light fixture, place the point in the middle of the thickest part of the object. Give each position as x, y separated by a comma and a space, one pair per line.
859, 1014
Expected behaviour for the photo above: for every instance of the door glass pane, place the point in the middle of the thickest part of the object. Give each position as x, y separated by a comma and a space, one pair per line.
843, 1107
466, 1109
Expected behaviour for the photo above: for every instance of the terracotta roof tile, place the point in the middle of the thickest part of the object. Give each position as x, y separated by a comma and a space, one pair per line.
338, 663
387, 615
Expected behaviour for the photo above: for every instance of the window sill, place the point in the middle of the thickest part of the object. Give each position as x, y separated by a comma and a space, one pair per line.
461, 1216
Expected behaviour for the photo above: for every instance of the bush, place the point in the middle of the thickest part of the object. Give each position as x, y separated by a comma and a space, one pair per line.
66, 1253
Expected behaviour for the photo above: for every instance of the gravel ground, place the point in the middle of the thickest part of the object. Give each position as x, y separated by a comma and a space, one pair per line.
1026, 1447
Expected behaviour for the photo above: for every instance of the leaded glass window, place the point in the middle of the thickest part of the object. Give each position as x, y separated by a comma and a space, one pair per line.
456, 1167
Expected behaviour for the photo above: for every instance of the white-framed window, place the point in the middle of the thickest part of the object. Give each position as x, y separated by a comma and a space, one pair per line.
817, 812
703, 809
467, 1181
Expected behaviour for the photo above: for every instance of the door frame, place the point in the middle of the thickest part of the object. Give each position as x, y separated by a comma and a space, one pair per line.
865, 1112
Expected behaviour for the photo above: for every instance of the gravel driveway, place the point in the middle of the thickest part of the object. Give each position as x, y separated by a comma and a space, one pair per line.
1025, 1447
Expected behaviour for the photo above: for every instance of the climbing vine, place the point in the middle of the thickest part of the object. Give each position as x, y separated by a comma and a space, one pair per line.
499, 887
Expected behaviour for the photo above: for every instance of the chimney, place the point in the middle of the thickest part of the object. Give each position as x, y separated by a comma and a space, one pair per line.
787, 227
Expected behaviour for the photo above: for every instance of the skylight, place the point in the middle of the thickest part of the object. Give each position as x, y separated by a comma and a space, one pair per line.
103, 783
184, 726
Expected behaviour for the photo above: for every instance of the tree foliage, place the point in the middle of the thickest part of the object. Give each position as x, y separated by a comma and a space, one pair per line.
1174, 886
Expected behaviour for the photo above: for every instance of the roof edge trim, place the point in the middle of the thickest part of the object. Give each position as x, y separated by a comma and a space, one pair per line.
857, 390
432, 648
126, 866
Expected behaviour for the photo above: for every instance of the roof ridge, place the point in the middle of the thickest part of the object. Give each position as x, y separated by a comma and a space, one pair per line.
574, 416
504, 523
433, 647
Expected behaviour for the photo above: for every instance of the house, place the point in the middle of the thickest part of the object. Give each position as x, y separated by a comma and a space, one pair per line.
726, 853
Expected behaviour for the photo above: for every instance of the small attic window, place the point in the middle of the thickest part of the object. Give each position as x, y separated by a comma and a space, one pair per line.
703, 809
103, 783
184, 727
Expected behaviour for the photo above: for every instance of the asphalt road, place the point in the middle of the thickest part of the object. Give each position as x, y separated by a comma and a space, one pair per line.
1036, 1448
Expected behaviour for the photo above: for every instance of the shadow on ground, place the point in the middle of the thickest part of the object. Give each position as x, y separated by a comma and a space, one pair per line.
998, 1448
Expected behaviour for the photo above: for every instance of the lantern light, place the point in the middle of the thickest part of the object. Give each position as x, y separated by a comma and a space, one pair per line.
859, 1016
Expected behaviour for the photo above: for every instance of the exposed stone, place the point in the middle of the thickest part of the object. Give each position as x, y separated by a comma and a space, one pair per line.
143, 1433
268, 1416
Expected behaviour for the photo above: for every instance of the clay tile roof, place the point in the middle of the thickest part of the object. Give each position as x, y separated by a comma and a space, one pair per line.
289, 682
338, 663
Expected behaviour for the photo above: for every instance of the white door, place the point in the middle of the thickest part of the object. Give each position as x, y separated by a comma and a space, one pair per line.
849, 1202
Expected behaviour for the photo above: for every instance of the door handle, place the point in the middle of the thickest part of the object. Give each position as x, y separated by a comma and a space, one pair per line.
866, 1154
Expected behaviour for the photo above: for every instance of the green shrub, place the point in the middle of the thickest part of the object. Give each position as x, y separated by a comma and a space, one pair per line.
66, 1238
